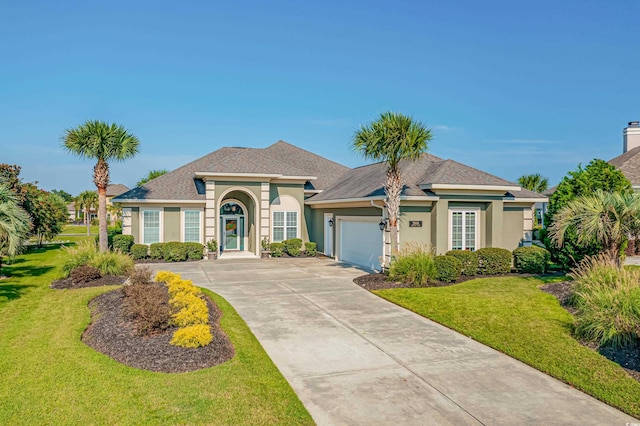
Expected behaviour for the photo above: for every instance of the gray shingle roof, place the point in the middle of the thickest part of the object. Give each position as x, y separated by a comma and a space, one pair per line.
279, 158
629, 164
368, 181
116, 189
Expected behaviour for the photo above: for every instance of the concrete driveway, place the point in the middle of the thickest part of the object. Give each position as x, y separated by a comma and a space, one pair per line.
356, 359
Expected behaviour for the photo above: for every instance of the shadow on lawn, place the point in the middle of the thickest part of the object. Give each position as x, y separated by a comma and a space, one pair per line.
9, 292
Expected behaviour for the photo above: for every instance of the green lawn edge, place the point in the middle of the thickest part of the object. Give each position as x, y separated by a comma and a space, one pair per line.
51, 377
513, 316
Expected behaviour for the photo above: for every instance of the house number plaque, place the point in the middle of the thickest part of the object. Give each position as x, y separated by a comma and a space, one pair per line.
415, 224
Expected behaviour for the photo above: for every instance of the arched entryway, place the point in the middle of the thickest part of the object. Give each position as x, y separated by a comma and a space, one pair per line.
237, 222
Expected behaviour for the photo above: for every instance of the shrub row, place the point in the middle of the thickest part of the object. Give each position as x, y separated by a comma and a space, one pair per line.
293, 247
418, 266
171, 252
189, 311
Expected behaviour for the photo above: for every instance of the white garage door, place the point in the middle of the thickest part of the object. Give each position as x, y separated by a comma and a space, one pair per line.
361, 243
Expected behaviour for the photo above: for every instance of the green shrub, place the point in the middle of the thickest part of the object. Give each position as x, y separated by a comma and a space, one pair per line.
156, 251
112, 231
531, 259
78, 256
494, 261
468, 259
414, 265
195, 251
607, 299
122, 243
276, 249
139, 251
447, 268
112, 263
293, 246
311, 248
174, 251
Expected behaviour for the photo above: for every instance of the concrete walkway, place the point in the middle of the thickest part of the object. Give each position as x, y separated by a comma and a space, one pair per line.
355, 359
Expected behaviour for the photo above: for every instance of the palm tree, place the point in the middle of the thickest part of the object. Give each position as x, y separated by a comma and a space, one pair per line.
152, 175
87, 201
103, 142
534, 182
391, 138
15, 223
608, 217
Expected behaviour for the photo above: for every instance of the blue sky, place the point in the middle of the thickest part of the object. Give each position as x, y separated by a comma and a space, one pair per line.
508, 87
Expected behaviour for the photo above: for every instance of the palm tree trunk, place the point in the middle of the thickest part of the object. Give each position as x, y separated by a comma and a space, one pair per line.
393, 187
101, 179
86, 220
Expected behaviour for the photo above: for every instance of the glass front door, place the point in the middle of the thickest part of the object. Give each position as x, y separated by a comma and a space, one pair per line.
231, 236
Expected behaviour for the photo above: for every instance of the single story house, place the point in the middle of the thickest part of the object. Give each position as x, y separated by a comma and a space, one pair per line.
242, 196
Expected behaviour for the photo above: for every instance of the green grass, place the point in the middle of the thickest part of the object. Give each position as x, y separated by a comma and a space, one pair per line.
79, 229
50, 377
513, 316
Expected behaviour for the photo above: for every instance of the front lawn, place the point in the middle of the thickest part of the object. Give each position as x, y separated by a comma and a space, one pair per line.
513, 316
50, 377
79, 230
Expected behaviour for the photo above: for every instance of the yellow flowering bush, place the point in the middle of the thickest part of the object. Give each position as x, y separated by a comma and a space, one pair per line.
193, 336
167, 276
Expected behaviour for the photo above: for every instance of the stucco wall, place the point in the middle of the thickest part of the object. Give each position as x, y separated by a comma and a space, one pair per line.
512, 229
421, 235
135, 224
171, 224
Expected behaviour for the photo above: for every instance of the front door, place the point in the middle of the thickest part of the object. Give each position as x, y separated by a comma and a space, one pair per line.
231, 237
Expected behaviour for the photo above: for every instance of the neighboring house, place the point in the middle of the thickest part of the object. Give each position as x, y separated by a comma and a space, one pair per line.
240, 196
75, 216
112, 192
629, 162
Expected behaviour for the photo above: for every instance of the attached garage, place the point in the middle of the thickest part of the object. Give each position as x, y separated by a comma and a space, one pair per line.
360, 241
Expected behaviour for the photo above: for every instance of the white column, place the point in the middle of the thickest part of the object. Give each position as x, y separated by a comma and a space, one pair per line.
210, 211
264, 221
126, 221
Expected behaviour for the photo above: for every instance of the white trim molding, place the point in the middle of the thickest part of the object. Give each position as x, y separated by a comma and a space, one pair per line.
201, 230
160, 211
464, 211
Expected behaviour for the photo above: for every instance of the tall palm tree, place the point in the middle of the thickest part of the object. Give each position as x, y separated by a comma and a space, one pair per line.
391, 138
87, 201
534, 182
608, 217
15, 223
103, 142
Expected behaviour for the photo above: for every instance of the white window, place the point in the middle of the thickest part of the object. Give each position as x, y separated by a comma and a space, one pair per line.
151, 226
191, 226
285, 226
463, 230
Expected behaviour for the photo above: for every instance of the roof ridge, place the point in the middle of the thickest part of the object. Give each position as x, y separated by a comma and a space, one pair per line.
281, 142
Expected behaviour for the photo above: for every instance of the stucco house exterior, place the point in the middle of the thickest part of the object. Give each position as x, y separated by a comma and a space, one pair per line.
240, 196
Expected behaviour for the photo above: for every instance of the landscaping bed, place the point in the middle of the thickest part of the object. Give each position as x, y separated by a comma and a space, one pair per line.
112, 333
69, 283
628, 357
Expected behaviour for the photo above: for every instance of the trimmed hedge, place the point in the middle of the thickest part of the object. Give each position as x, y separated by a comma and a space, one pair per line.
276, 249
531, 259
122, 243
311, 248
174, 251
139, 251
156, 251
293, 246
195, 251
494, 261
447, 268
468, 260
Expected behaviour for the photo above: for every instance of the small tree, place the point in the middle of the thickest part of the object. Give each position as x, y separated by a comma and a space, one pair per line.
392, 138
534, 182
14, 223
48, 212
597, 175
102, 142
607, 217
63, 194
152, 175
87, 201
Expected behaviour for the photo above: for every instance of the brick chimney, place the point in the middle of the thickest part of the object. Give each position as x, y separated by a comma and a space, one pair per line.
631, 136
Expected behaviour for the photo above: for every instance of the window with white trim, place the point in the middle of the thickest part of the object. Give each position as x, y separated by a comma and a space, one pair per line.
150, 226
191, 226
463, 229
285, 226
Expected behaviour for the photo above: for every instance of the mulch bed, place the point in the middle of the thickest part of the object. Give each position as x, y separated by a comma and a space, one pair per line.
112, 333
68, 283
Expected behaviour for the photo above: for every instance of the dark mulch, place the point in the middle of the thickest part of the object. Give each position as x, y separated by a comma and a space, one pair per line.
628, 357
68, 283
112, 334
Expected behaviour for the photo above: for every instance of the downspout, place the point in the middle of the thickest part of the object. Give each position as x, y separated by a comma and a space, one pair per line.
386, 253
